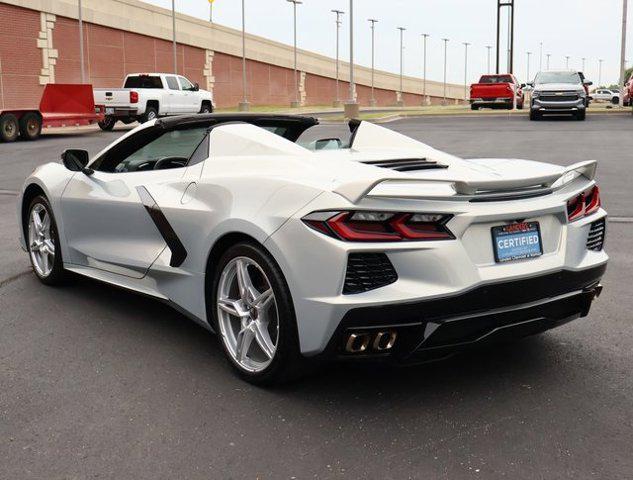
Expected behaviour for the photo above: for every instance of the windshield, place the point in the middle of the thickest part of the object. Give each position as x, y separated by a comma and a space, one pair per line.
557, 77
143, 81
496, 79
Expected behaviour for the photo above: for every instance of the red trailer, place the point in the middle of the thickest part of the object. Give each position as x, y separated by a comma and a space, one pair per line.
62, 105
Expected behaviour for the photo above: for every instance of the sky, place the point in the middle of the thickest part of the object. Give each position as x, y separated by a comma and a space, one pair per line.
574, 28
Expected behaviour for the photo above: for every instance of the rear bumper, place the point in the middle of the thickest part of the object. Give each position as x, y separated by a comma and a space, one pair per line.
490, 102
434, 329
121, 112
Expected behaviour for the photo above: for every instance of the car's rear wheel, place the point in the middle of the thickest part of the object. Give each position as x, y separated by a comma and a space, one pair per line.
253, 314
43, 242
581, 115
534, 115
150, 114
474, 107
107, 124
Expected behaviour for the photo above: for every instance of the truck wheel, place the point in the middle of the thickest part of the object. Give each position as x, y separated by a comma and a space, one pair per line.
206, 108
615, 100
580, 115
30, 126
535, 115
9, 128
474, 107
520, 104
107, 124
150, 114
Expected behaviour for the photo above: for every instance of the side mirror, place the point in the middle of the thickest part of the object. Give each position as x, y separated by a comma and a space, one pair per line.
530, 84
196, 87
588, 83
76, 160
523, 85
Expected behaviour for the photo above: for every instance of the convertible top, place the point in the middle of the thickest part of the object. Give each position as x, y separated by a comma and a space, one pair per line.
294, 125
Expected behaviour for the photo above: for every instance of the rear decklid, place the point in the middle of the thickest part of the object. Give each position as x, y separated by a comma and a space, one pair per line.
112, 97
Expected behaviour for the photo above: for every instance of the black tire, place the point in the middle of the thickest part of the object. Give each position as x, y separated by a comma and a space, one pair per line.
581, 115
206, 108
287, 363
520, 104
474, 107
108, 123
57, 275
9, 127
30, 126
534, 115
615, 101
150, 114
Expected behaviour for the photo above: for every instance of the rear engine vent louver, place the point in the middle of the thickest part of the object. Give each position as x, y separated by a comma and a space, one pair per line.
595, 240
407, 164
368, 271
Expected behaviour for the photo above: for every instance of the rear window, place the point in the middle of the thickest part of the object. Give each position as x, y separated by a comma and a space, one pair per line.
496, 79
143, 81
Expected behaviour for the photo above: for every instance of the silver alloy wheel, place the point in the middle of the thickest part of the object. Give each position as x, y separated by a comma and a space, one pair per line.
247, 314
151, 115
41, 243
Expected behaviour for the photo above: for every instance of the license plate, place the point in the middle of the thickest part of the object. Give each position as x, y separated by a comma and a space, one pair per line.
517, 241
109, 111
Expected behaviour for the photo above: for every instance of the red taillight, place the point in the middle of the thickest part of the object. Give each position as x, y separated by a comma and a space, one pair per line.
133, 97
361, 226
584, 204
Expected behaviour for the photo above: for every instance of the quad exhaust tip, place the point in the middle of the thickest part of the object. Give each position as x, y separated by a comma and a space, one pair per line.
381, 341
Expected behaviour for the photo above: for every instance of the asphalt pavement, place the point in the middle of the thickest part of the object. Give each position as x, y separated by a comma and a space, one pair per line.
96, 382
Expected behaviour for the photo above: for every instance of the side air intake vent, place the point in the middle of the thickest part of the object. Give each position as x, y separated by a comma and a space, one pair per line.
595, 240
407, 164
368, 271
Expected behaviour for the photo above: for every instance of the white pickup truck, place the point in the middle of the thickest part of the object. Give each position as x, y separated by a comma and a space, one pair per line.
145, 96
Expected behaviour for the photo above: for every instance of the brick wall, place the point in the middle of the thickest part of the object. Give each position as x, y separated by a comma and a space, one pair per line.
111, 53
20, 59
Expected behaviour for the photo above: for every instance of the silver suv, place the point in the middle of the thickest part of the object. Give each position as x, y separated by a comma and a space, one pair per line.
559, 92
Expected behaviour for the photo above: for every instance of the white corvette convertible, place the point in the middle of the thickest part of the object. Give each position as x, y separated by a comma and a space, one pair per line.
296, 251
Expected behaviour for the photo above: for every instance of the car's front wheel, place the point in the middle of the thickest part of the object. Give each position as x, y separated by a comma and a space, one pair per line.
253, 314
43, 242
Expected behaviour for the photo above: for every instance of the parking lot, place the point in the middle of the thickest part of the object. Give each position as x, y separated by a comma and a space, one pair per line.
100, 383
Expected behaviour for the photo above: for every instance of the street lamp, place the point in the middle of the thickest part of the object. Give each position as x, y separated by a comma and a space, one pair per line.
583, 63
297, 102
466, 44
528, 65
489, 48
337, 100
81, 45
210, 11
173, 28
623, 50
600, 72
548, 55
351, 107
425, 99
401, 99
243, 106
372, 100
566, 62
445, 40
540, 58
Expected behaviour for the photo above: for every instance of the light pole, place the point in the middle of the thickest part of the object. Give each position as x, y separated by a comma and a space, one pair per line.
445, 40
337, 100
425, 99
351, 107
583, 64
548, 55
600, 72
81, 45
566, 62
210, 11
296, 103
466, 44
528, 65
173, 28
400, 102
243, 106
489, 47
623, 50
372, 100
540, 57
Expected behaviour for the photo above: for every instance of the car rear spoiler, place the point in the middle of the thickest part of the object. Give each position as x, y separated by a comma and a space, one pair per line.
355, 191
